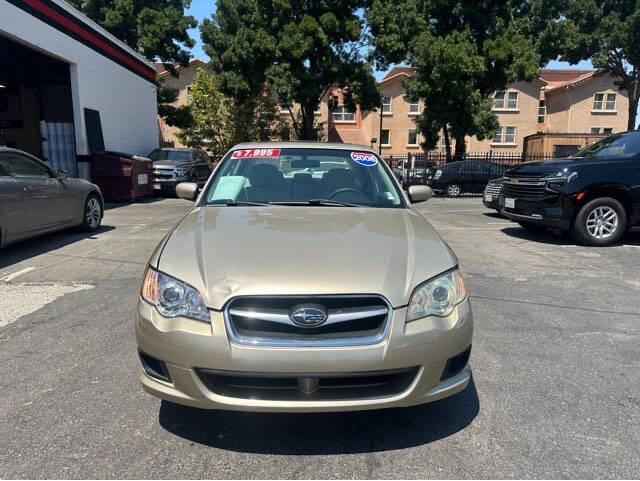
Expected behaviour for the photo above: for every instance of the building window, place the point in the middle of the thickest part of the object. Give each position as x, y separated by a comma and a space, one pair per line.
343, 114
607, 130
604, 103
542, 111
414, 107
595, 130
386, 105
503, 100
385, 137
505, 135
412, 137
611, 102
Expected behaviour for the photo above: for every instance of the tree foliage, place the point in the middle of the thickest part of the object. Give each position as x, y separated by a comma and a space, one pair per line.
155, 28
462, 53
219, 121
299, 48
608, 33
174, 115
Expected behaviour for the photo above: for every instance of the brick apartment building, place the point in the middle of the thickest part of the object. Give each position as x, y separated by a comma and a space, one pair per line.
560, 109
573, 107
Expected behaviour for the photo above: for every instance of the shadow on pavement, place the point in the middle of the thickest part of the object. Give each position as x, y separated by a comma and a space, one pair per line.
29, 248
549, 237
323, 433
149, 200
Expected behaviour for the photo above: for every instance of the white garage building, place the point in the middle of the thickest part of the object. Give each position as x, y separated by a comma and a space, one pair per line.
69, 88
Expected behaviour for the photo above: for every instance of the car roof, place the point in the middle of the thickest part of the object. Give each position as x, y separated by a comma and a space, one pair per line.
303, 145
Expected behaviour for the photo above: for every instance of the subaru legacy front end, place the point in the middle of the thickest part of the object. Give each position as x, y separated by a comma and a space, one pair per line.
303, 280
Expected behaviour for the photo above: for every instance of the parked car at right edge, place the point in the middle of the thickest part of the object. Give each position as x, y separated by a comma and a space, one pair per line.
174, 165
594, 194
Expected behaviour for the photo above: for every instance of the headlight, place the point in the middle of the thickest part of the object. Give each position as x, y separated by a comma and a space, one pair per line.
438, 174
437, 297
171, 297
181, 171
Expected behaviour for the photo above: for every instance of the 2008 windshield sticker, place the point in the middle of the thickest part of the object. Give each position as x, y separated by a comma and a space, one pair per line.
255, 153
364, 158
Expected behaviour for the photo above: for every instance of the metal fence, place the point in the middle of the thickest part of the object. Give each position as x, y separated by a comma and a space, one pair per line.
468, 175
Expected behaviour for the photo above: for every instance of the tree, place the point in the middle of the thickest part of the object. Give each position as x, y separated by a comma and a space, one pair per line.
211, 116
608, 33
156, 28
174, 115
462, 53
219, 122
299, 49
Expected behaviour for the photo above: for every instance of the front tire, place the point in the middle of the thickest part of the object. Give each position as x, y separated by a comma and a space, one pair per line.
454, 190
92, 214
600, 222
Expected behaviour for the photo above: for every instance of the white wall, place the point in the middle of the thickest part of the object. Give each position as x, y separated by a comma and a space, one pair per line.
126, 102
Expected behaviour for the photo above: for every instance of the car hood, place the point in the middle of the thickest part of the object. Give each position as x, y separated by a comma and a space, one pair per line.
542, 167
170, 163
233, 251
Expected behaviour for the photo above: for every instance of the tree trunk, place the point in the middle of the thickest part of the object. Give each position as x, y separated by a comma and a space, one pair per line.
447, 143
308, 119
460, 147
634, 97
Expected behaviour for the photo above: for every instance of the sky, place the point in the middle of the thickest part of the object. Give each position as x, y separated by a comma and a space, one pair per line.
202, 9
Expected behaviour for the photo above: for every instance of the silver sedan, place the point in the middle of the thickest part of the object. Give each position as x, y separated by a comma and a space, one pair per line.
36, 200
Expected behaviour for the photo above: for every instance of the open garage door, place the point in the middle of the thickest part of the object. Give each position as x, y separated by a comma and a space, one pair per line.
36, 107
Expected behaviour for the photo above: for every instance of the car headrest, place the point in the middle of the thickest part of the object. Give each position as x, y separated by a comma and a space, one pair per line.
339, 179
265, 175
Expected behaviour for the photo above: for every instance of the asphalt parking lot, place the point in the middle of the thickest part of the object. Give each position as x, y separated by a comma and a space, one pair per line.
556, 362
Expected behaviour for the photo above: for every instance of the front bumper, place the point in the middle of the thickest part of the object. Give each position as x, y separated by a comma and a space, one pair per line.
164, 185
552, 211
188, 347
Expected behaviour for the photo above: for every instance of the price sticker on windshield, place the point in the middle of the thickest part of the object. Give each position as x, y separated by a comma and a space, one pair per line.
364, 158
255, 154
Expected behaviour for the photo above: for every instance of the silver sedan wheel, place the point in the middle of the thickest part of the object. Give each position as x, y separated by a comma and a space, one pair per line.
93, 213
602, 222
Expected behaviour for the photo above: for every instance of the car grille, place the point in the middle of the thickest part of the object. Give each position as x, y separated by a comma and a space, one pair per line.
351, 320
163, 173
524, 187
493, 189
308, 387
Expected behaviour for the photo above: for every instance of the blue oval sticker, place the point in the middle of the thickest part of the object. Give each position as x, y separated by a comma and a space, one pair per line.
364, 158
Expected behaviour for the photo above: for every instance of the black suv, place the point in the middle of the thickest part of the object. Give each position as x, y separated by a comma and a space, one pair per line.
466, 176
595, 194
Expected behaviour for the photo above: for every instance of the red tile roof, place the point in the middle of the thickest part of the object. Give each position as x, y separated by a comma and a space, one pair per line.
398, 70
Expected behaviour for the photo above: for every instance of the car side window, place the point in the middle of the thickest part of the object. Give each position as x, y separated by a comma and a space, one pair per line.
20, 166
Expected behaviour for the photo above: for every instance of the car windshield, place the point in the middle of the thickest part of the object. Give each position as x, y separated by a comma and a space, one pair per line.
614, 146
170, 154
303, 176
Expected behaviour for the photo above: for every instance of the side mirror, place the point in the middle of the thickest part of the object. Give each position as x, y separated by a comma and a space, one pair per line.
187, 190
62, 174
419, 193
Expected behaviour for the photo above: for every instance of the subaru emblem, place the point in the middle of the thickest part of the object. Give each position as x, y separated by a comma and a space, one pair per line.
308, 315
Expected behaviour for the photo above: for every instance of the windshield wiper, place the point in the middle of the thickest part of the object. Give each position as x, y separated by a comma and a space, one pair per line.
317, 202
234, 203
